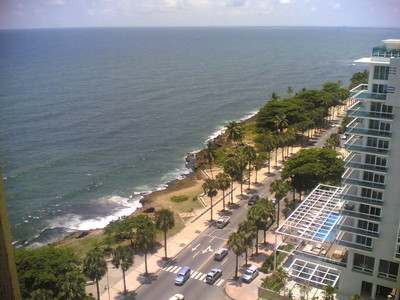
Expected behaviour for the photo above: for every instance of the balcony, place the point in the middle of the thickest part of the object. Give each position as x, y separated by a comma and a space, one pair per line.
359, 215
365, 95
371, 114
368, 167
382, 51
365, 149
353, 245
363, 183
359, 231
364, 200
369, 132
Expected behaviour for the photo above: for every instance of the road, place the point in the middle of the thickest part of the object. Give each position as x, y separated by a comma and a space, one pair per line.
198, 255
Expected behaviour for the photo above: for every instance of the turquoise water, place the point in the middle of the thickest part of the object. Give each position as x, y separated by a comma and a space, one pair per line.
327, 232
89, 117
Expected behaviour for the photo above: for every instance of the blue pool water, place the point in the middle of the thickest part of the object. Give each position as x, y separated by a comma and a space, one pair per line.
326, 231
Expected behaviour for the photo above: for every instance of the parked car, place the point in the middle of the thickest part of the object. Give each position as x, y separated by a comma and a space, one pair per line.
220, 254
177, 297
250, 273
223, 221
253, 200
213, 275
182, 276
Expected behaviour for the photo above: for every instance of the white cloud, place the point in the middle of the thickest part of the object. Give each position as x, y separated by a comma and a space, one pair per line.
313, 8
337, 5
287, 1
55, 2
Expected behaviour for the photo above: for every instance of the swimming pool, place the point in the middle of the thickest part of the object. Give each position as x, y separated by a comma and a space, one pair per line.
326, 231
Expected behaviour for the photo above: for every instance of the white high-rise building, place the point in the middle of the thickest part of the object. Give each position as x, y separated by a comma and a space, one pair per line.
370, 216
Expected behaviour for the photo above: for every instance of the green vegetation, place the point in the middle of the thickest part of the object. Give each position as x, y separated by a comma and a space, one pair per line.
165, 220
359, 78
179, 198
44, 272
276, 280
268, 263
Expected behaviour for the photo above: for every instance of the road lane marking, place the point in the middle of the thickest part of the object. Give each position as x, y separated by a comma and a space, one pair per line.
169, 268
177, 270
224, 261
196, 254
202, 277
219, 282
198, 275
208, 249
195, 248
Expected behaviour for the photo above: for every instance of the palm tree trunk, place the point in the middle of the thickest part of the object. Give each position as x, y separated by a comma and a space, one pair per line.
211, 208
257, 243
165, 243
223, 200
246, 257
249, 175
256, 177
277, 214
123, 276
237, 263
265, 235
232, 191
98, 289
145, 263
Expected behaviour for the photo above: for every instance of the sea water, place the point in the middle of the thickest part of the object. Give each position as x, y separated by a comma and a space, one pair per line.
93, 119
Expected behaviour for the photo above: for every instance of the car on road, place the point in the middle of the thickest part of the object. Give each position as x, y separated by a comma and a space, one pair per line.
220, 254
213, 275
253, 200
250, 273
177, 297
182, 276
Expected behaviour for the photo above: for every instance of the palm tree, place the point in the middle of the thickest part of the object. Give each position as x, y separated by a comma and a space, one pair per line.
95, 267
305, 289
234, 132
280, 188
281, 122
249, 153
224, 183
266, 143
329, 292
71, 286
232, 169
210, 154
241, 164
145, 241
123, 256
274, 97
248, 230
290, 91
236, 244
260, 216
165, 220
258, 164
210, 187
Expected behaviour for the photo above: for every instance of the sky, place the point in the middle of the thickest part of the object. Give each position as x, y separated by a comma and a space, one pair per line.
16, 14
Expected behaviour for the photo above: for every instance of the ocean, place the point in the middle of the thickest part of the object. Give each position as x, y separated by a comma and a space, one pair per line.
93, 119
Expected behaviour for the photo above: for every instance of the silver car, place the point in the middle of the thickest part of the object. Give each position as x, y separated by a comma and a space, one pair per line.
250, 273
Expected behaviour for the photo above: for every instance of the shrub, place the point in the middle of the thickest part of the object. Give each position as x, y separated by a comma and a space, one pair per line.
179, 198
268, 263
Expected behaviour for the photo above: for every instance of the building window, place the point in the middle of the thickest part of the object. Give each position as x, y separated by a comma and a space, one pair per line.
375, 160
379, 88
388, 269
379, 107
381, 72
368, 225
368, 193
375, 124
363, 263
372, 177
370, 210
375, 143
363, 240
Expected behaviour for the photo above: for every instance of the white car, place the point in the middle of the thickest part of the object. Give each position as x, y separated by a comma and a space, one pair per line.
177, 297
250, 273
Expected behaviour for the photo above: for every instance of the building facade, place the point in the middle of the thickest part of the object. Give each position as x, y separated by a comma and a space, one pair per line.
370, 224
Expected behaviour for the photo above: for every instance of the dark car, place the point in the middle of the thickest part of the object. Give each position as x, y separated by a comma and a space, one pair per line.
253, 200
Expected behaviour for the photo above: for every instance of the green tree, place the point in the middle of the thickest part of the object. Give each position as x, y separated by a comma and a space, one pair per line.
265, 142
290, 91
41, 294
71, 286
122, 257
224, 182
234, 132
305, 289
210, 187
232, 169
356, 297
236, 244
274, 97
329, 292
280, 188
144, 236
261, 216
165, 220
280, 122
359, 78
249, 154
248, 231
259, 162
40, 270
95, 267
210, 154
